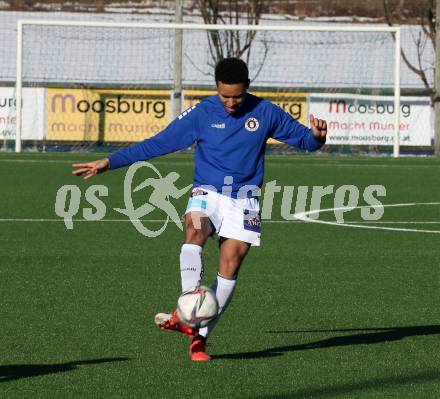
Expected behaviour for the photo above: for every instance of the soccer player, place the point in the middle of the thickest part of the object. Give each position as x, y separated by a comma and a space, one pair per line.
230, 130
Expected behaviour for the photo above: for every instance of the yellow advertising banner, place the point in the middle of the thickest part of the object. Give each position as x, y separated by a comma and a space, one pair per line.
292, 102
106, 115
193, 97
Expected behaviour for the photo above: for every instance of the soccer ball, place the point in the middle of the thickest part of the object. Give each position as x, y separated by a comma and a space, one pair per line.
197, 306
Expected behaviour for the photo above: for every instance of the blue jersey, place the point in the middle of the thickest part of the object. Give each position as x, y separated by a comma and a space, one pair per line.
226, 144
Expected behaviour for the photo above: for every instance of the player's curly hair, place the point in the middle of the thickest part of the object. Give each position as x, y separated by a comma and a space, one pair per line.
232, 70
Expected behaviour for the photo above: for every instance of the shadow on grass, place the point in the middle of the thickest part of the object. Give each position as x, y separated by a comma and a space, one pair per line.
349, 390
13, 372
368, 336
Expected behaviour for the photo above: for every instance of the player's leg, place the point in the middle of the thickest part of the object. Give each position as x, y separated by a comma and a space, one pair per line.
232, 254
198, 228
240, 228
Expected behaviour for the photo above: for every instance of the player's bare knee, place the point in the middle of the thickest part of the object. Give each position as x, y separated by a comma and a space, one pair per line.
194, 236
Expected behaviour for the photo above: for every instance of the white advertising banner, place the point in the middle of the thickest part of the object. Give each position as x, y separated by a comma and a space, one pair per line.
33, 113
369, 120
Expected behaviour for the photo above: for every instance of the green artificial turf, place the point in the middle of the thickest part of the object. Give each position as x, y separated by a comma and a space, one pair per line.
320, 311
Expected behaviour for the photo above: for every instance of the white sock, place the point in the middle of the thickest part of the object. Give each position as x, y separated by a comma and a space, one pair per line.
223, 288
191, 265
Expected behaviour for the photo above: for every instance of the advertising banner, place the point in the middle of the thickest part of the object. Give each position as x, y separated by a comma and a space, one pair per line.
106, 115
132, 115
369, 120
32, 111
293, 103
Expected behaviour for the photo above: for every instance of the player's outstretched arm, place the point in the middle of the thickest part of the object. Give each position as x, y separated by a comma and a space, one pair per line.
319, 128
90, 169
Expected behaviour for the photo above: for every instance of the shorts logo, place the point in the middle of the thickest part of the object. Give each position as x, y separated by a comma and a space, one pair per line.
252, 220
197, 192
251, 124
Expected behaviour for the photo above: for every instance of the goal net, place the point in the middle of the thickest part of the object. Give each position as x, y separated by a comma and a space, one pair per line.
84, 86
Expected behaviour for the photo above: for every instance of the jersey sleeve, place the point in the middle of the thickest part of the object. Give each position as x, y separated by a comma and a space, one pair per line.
288, 130
179, 134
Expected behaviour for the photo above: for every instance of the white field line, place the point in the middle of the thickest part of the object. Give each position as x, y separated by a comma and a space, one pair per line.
304, 216
40, 160
393, 222
12, 220
299, 217
272, 163
84, 220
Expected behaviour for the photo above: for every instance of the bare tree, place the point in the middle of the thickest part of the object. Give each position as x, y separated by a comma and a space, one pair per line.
426, 20
230, 43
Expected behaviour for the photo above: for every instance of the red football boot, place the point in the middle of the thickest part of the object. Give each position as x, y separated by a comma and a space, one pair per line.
171, 322
197, 351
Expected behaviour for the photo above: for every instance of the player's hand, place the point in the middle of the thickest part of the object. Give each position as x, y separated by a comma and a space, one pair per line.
90, 169
319, 128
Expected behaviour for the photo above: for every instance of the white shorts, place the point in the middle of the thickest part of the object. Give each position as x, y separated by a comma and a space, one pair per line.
232, 218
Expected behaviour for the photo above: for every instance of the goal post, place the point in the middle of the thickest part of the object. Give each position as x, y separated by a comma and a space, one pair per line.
291, 46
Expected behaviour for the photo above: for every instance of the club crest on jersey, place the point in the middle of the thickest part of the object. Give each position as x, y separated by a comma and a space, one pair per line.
251, 124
